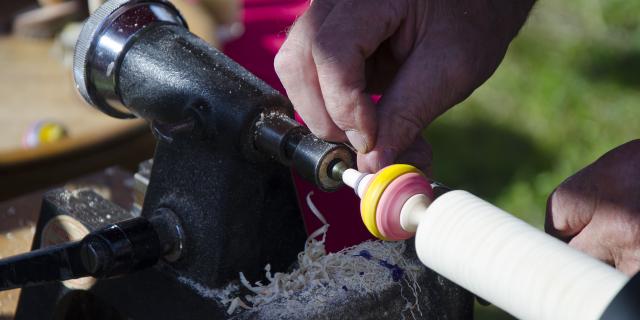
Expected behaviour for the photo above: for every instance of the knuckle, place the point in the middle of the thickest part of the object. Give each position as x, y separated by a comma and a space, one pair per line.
570, 209
323, 51
289, 57
283, 63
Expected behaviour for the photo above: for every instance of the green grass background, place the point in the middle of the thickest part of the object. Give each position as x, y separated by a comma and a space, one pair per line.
567, 92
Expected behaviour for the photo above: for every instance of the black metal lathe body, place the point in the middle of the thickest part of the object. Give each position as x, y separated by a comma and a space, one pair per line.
220, 198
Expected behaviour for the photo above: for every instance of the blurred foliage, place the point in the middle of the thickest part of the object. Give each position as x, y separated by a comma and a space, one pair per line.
567, 92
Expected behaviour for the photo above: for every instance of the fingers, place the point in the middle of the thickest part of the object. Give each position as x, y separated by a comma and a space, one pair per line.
606, 182
347, 37
572, 205
612, 240
418, 154
297, 72
596, 210
425, 87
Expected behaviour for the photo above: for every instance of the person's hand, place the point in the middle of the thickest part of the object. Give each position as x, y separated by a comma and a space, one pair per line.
423, 56
598, 209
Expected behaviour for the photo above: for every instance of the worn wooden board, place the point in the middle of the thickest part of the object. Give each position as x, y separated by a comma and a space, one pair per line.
34, 85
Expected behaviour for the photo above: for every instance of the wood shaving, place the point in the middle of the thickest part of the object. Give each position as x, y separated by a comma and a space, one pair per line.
321, 275
323, 280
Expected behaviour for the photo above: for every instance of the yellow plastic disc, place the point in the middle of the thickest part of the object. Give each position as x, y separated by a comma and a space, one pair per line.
372, 196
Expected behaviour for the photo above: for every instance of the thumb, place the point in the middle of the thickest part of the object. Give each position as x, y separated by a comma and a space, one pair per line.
572, 205
609, 181
418, 154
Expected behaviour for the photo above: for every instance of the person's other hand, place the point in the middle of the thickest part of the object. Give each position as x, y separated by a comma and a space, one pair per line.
598, 209
423, 56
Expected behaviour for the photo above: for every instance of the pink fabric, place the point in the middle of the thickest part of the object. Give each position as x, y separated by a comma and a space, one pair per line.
266, 22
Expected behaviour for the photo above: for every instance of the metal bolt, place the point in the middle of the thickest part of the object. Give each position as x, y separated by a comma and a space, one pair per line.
337, 170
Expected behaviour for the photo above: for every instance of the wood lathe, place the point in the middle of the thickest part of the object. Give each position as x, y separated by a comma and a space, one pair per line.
219, 199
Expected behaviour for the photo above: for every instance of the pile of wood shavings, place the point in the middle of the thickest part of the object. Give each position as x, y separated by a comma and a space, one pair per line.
320, 277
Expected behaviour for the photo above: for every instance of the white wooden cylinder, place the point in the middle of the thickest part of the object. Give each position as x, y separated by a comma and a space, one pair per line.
511, 264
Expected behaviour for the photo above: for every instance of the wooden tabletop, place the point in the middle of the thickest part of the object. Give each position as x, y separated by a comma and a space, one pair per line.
34, 86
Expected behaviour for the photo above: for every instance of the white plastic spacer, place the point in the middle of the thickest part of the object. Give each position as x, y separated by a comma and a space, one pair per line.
412, 211
356, 180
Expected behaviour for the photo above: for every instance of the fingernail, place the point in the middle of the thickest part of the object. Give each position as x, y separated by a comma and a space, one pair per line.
358, 141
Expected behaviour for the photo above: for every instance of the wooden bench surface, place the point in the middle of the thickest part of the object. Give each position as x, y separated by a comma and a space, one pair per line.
34, 86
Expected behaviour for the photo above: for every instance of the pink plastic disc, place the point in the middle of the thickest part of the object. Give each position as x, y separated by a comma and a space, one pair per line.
392, 200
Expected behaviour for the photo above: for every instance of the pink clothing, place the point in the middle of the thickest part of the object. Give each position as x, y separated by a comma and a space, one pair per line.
266, 22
